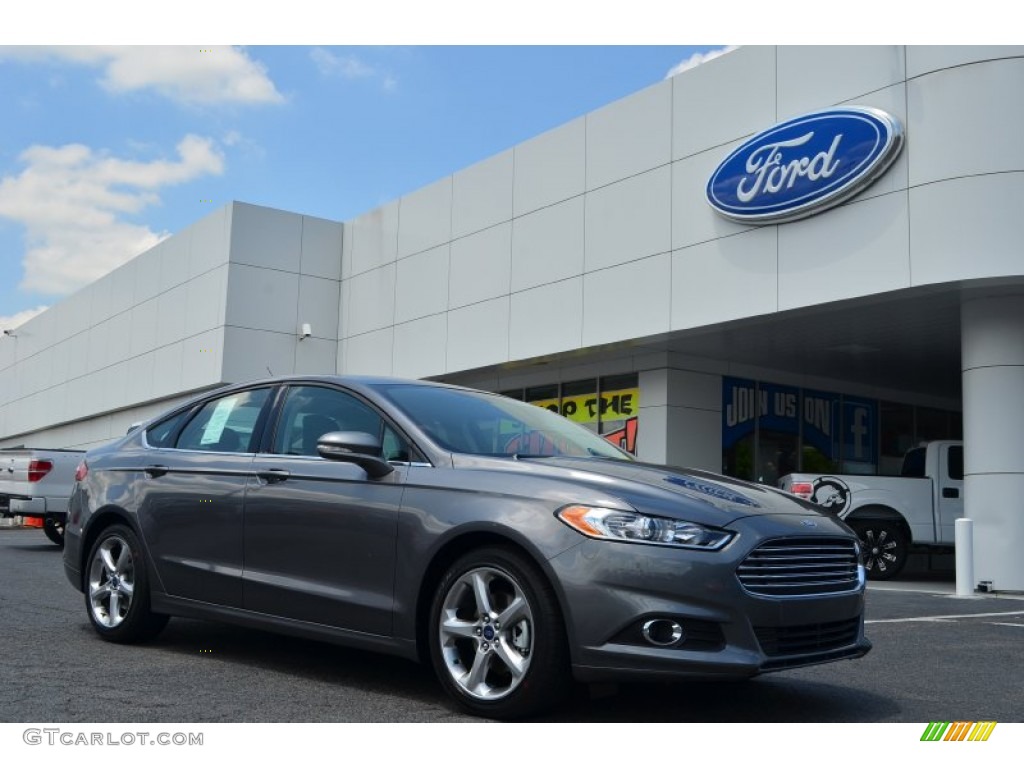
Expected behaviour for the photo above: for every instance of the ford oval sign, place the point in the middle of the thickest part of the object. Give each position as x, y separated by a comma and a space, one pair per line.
805, 165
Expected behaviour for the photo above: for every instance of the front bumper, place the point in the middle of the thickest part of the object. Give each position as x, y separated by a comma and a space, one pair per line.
609, 589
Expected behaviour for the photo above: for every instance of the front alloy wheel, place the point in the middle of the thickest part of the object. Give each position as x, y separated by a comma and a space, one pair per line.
117, 589
497, 640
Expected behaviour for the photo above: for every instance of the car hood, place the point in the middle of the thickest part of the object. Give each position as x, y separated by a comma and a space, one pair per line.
695, 495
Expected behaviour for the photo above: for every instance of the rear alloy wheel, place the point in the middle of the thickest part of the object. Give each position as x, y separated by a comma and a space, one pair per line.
497, 641
884, 548
54, 530
117, 589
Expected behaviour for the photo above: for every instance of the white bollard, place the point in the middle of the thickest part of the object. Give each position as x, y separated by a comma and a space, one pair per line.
964, 541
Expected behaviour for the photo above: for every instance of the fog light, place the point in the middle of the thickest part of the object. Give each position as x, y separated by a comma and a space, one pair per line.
662, 632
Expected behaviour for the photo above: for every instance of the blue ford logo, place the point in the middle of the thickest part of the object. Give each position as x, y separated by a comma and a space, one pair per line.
805, 165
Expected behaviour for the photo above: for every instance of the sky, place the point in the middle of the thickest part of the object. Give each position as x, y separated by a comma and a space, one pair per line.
106, 150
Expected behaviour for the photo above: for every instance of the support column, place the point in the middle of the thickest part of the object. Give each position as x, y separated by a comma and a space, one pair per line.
681, 418
992, 365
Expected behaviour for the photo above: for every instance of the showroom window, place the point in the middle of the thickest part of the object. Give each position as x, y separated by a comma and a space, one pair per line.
609, 406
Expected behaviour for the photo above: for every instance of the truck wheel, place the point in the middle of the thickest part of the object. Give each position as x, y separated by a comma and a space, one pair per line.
885, 547
54, 530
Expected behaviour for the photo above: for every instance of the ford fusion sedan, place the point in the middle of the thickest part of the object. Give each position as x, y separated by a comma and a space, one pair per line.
508, 547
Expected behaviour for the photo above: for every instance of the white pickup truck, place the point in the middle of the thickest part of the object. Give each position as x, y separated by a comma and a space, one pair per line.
893, 514
37, 483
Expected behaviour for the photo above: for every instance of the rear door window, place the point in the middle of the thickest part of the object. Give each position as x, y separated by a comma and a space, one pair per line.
225, 425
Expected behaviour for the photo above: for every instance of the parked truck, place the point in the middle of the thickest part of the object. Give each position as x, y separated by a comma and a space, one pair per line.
37, 483
892, 515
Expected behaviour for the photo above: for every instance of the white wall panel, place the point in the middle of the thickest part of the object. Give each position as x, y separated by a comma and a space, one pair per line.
419, 348
723, 100
319, 356
205, 298
143, 334
922, 59
174, 255
547, 245
262, 299
318, 306
629, 219
482, 195
371, 303
478, 335
967, 228
266, 237
254, 354
481, 266
140, 378
551, 167
965, 121
122, 288
201, 357
630, 136
374, 238
858, 249
321, 248
628, 301
100, 304
170, 319
425, 218
725, 279
370, 353
167, 369
421, 284
546, 319
693, 220
147, 274
812, 77
208, 241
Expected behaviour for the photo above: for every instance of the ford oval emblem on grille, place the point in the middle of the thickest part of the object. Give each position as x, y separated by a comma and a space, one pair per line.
808, 524
805, 165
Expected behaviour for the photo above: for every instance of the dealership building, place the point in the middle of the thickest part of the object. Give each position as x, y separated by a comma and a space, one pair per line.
701, 271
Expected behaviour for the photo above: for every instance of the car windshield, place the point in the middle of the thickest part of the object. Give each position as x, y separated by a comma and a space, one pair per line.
483, 424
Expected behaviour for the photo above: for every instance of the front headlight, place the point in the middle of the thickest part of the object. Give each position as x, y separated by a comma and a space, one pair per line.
623, 525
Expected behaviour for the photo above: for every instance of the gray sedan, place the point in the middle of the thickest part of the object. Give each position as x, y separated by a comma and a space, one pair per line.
513, 549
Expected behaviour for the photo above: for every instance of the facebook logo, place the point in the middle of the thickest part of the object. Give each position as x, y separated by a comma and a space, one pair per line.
860, 427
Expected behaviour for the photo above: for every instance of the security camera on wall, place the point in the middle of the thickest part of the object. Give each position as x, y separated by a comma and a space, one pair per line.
306, 331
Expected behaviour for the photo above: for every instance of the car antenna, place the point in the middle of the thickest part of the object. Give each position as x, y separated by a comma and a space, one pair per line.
270, 371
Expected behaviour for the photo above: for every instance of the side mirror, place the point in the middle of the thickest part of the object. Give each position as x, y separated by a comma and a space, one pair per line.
360, 448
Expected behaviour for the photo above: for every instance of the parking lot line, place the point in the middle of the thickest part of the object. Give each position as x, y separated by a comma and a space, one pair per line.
944, 618
1004, 624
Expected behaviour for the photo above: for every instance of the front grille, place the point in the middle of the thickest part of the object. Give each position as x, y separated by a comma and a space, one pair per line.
800, 566
808, 639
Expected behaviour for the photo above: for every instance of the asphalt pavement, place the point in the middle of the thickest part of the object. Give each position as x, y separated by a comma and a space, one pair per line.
935, 657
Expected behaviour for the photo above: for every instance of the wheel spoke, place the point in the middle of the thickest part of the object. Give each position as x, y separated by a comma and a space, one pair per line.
515, 611
99, 592
127, 589
108, 559
456, 627
478, 673
124, 559
483, 599
512, 659
115, 607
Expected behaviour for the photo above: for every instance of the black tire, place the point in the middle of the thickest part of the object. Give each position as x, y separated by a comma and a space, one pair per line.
885, 547
54, 530
490, 670
117, 596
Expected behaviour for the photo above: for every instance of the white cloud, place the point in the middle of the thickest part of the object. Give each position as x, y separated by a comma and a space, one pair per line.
72, 202
699, 58
186, 74
349, 67
10, 322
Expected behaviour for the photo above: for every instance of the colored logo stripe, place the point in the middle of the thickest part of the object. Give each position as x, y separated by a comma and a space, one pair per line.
958, 731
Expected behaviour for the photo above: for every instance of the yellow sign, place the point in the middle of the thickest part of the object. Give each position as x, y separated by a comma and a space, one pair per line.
613, 405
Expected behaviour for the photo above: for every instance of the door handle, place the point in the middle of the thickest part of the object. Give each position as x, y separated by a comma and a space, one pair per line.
951, 493
156, 470
273, 475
